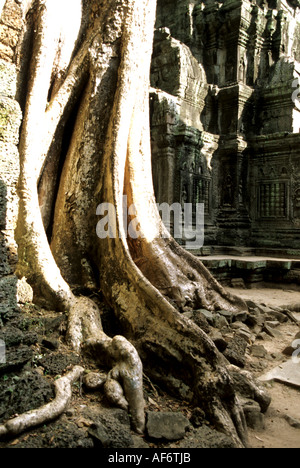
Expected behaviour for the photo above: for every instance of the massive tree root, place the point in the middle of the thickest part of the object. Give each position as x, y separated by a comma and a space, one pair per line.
36, 260
98, 79
124, 384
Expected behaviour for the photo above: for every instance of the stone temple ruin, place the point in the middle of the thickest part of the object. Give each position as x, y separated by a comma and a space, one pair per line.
225, 120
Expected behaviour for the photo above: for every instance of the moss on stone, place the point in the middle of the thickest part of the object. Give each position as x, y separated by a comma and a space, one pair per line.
10, 118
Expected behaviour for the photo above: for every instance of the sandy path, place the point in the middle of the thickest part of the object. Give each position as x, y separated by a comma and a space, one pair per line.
271, 297
285, 400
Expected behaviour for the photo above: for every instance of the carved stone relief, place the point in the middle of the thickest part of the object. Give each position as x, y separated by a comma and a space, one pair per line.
231, 125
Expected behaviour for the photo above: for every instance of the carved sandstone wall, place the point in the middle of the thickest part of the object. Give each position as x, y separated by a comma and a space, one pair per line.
225, 129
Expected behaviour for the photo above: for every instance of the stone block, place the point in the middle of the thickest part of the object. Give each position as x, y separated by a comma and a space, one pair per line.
276, 315
6, 52
24, 292
10, 116
272, 331
218, 340
238, 283
12, 15
240, 317
235, 351
208, 315
253, 415
8, 79
166, 425
258, 351
220, 321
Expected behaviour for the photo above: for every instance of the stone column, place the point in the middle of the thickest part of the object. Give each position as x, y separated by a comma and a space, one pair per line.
10, 121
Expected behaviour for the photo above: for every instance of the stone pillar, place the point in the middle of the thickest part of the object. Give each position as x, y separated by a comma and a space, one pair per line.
10, 121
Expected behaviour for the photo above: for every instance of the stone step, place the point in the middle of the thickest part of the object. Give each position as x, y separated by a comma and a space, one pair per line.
240, 251
252, 269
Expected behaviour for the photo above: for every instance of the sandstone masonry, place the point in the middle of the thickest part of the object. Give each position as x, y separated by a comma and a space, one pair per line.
225, 117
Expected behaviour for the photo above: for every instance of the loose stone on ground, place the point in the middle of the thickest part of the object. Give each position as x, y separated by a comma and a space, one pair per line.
166, 426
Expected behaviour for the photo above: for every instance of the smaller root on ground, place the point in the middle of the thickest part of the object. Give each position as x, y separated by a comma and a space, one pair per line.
48, 412
124, 386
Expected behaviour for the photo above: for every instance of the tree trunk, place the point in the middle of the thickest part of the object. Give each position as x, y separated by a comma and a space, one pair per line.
86, 121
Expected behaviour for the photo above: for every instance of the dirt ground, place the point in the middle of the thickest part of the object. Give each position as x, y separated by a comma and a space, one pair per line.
278, 433
272, 297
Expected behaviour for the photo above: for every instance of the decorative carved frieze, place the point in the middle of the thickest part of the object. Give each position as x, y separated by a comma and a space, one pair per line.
229, 72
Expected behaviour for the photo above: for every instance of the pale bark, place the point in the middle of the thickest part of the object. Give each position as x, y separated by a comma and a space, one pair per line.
63, 394
39, 125
2, 3
36, 261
